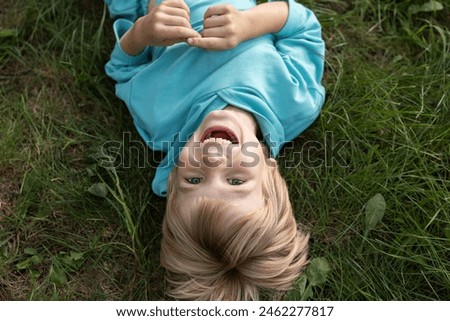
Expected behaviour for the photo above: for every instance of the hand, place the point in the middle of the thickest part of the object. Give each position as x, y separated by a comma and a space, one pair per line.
224, 27
168, 23
164, 25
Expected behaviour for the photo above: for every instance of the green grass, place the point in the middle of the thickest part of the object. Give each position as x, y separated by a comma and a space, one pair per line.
388, 88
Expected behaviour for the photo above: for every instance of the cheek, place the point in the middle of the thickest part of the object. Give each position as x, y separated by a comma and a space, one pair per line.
252, 156
184, 157
189, 158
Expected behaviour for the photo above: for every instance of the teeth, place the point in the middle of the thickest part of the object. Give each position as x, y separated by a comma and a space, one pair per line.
218, 136
217, 140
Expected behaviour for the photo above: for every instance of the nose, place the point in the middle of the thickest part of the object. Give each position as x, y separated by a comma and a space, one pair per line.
213, 160
213, 154
217, 154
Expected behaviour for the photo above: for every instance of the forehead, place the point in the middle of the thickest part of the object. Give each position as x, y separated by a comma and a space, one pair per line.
234, 208
247, 200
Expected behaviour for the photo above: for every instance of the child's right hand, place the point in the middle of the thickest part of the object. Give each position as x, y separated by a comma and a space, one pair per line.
167, 23
164, 25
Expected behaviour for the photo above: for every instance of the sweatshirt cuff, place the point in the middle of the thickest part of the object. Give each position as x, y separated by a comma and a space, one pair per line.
120, 27
297, 15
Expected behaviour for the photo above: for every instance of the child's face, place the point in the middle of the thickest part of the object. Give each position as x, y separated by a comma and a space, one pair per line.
222, 160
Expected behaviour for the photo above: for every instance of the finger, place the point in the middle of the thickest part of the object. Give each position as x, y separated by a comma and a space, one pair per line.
216, 21
176, 21
216, 32
168, 42
227, 31
219, 9
177, 12
177, 32
210, 43
176, 4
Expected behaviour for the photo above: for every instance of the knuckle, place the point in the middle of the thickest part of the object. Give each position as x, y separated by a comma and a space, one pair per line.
179, 32
227, 19
230, 43
205, 33
179, 3
208, 12
231, 30
185, 23
158, 15
158, 32
158, 28
228, 8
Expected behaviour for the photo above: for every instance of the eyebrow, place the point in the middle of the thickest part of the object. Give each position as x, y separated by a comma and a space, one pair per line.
243, 190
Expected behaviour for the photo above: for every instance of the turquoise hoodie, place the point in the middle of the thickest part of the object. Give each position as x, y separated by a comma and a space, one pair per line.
170, 90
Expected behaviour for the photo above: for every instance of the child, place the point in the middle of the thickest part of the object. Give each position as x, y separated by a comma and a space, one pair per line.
205, 82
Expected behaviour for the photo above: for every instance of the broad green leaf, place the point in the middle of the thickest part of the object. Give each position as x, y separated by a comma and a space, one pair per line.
297, 291
36, 259
72, 260
76, 256
375, 209
90, 172
30, 251
57, 275
66, 260
5, 33
35, 274
308, 294
429, 6
23, 265
98, 189
44, 211
317, 271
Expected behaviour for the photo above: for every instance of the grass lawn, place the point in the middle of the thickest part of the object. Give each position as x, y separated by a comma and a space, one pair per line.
370, 179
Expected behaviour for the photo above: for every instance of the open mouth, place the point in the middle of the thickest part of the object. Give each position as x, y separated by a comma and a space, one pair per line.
219, 132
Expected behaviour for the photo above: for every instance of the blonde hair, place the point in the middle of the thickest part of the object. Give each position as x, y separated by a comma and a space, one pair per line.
215, 253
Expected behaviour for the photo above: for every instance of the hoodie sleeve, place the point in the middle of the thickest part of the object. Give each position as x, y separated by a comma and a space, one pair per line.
302, 48
127, 9
122, 67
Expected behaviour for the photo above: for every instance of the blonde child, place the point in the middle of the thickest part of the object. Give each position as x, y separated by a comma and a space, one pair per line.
206, 82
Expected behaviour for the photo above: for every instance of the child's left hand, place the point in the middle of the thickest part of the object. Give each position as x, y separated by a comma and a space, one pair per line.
224, 27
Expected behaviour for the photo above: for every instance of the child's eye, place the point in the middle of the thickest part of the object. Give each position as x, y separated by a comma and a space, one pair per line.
235, 181
194, 180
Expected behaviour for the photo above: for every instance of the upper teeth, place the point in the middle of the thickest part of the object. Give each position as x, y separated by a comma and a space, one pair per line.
217, 140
